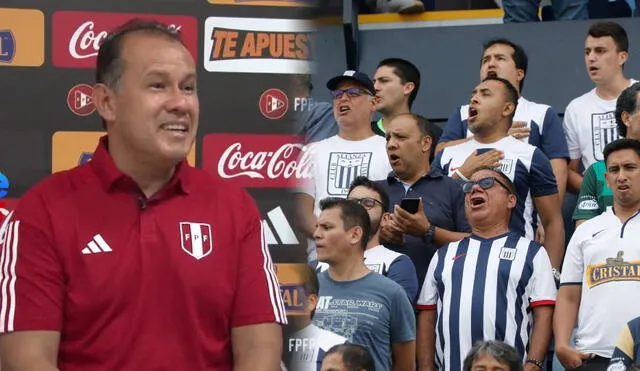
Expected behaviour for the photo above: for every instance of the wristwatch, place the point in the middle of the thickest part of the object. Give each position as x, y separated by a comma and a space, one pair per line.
556, 275
431, 232
535, 362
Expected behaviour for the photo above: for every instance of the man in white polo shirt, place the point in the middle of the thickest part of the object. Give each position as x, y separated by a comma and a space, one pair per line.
600, 282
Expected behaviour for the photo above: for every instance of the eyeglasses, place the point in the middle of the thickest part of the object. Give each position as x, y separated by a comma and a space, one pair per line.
484, 183
367, 202
351, 92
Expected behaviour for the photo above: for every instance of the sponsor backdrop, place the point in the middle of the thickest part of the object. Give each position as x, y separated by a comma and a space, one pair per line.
248, 54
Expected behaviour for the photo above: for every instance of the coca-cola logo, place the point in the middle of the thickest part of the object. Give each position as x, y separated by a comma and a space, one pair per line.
282, 163
257, 160
85, 41
77, 36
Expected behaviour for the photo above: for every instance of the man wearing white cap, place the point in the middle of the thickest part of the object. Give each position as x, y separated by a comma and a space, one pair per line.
336, 161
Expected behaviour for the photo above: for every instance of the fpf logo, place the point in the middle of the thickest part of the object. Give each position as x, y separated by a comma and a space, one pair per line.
80, 100
257, 45
75, 148
274, 104
21, 37
77, 35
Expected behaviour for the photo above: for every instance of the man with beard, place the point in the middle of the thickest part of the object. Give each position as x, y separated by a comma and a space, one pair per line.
397, 267
533, 123
493, 285
601, 270
493, 103
439, 218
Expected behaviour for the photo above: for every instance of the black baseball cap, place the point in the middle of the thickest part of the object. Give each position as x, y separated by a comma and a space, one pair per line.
350, 75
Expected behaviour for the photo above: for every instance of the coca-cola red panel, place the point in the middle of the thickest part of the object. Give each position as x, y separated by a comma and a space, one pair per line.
77, 35
256, 161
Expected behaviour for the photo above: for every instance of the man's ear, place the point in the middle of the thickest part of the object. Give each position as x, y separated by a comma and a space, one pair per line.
508, 110
355, 235
513, 201
103, 100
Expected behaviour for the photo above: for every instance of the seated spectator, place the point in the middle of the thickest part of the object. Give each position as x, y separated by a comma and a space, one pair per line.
395, 6
492, 355
599, 9
397, 267
527, 10
348, 357
627, 351
595, 195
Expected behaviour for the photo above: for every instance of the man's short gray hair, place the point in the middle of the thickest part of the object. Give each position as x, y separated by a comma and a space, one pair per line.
501, 352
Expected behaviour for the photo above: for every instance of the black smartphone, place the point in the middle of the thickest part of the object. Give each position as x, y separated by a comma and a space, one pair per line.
410, 204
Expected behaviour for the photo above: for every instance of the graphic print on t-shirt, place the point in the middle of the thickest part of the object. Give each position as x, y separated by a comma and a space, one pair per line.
615, 269
604, 130
344, 167
345, 316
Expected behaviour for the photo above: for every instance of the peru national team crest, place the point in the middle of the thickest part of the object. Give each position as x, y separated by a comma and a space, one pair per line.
195, 239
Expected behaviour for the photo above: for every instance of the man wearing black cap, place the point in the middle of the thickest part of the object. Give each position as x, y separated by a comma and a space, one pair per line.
338, 160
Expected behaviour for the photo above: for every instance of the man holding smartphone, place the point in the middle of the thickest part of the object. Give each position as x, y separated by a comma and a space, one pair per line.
437, 200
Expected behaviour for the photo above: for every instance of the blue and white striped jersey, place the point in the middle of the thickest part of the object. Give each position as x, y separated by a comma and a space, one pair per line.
546, 128
484, 289
527, 167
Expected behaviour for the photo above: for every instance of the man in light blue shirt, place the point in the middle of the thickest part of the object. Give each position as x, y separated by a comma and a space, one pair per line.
363, 306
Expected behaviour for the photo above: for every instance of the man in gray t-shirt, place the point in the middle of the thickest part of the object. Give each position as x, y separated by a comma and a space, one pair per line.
364, 307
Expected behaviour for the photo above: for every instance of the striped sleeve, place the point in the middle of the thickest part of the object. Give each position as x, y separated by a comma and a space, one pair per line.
543, 290
257, 292
428, 298
31, 276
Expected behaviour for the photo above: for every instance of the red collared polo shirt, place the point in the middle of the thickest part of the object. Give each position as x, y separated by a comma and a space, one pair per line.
136, 284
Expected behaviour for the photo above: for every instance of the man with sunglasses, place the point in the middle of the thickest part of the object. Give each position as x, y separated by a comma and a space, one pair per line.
338, 160
393, 265
485, 286
491, 111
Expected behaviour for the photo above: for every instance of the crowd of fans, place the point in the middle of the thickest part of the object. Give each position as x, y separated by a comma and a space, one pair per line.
423, 242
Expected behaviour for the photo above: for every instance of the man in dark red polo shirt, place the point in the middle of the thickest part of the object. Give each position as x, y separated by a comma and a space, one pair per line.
135, 260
